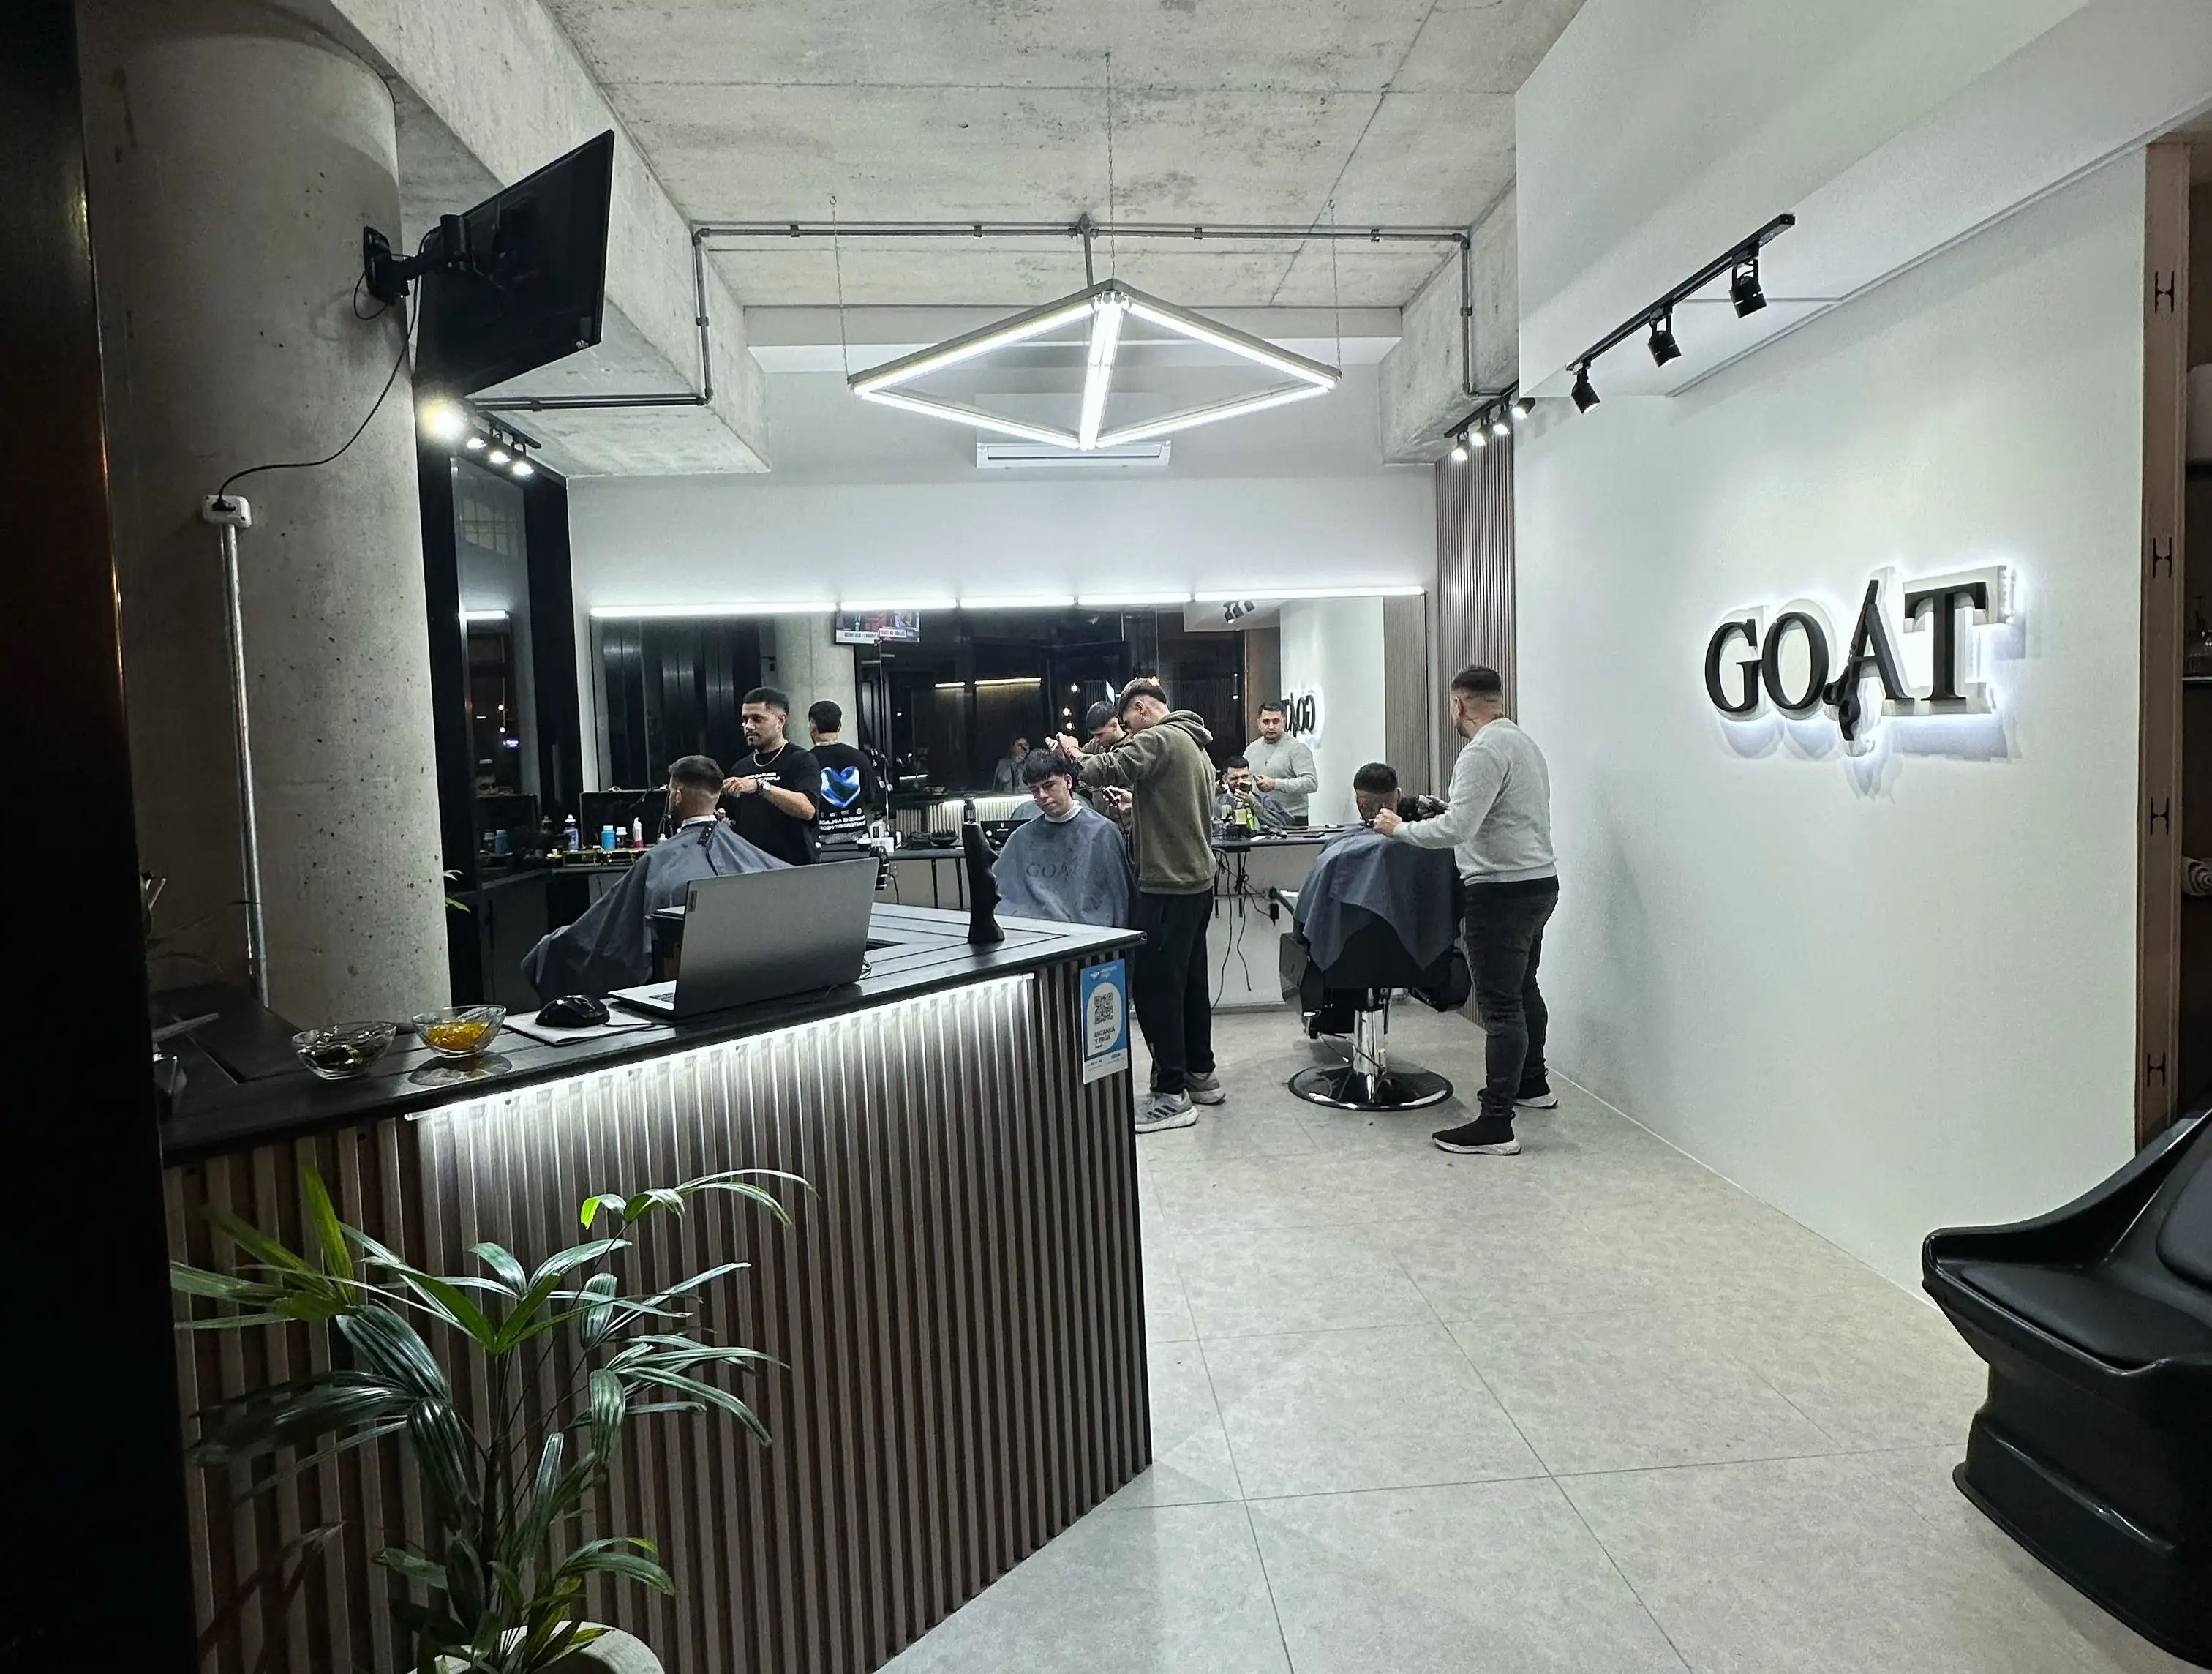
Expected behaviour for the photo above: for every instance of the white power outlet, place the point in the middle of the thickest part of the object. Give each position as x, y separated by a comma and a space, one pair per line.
227, 508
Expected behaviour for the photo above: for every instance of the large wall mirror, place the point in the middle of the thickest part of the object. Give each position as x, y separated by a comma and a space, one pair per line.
943, 698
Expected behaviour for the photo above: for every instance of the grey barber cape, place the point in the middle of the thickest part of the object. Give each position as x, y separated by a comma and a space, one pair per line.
610, 947
1408, 888
1074, 870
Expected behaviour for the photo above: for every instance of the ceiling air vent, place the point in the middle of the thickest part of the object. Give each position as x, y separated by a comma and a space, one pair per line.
1041, 456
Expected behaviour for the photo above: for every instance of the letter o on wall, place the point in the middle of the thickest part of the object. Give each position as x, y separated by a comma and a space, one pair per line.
1816, 657
1746, 628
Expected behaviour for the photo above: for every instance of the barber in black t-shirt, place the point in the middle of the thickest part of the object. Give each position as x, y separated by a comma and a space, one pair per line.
772, 795
847, 799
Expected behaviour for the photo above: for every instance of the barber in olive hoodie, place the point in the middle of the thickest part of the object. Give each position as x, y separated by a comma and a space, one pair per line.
1162, 759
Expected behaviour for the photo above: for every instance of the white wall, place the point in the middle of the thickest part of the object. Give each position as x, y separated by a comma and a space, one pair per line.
1787, 95
1887, 995
867, 504
1335, 648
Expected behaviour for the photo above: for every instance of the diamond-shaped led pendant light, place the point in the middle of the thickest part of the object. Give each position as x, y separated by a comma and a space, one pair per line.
1106, 303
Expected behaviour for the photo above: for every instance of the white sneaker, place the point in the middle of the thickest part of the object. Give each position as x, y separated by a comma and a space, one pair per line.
1204, 1089
1166, 1110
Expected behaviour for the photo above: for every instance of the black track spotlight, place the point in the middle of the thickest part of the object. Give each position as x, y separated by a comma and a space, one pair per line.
1498, 427
1458, 448
1584, 396
1663, 346
1523, 407
1743, 288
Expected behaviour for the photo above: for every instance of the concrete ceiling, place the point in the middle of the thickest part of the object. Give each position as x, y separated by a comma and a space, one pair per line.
1224, 112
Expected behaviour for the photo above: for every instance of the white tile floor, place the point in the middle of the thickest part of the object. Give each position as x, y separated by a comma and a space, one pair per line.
1587, 1408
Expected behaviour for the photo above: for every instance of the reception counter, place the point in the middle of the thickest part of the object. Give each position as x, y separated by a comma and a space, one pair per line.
959, 1310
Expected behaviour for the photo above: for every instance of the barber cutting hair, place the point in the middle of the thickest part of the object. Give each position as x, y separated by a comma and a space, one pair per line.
1498, 821
1163, 760
611, 945
773, 794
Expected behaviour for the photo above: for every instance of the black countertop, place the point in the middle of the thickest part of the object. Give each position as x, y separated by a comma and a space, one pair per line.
930, 951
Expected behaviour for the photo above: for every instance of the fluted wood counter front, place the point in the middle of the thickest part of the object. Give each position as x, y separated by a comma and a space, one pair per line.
959, 1309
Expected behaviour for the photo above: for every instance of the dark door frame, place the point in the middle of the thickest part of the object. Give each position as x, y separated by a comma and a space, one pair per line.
98, 1563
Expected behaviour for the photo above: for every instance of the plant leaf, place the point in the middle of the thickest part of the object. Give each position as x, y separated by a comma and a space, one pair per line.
329, 1231
414, 1565
255, 1242
510, 1270
610, 1407
612, 1202
704, 1391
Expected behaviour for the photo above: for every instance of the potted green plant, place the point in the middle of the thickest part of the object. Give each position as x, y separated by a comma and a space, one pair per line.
497, 1586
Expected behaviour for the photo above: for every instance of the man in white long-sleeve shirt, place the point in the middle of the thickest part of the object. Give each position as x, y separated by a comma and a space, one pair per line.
1498, 821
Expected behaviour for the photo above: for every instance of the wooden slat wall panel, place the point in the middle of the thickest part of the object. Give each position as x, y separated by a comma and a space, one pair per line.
2166, 394
960, 1309
1405, 697
1474, 575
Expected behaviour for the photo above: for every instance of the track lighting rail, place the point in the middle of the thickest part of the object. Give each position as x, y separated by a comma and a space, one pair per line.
1739, 259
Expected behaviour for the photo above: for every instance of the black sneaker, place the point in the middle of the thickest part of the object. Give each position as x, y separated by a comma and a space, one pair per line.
1537, 1096
1484, 1136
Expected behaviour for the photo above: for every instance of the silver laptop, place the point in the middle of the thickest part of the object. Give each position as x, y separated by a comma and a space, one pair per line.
764, 936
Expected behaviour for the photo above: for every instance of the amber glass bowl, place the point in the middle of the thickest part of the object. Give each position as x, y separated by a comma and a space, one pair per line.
460, 1032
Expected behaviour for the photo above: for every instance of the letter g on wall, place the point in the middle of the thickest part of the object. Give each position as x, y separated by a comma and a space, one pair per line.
1734, 688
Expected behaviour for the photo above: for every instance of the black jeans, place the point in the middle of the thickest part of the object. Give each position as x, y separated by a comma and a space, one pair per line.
1168, 987
1504, 941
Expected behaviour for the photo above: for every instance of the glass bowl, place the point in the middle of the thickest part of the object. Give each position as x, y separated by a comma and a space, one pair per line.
344, 1049
460, 1032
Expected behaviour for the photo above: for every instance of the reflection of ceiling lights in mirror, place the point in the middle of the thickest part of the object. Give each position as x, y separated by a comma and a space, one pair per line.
1105, 304
751, 607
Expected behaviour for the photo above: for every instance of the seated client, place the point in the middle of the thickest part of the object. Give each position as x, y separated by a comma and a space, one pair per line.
1242, 803
1363, 873
1069, 862
1375, 788
610, 947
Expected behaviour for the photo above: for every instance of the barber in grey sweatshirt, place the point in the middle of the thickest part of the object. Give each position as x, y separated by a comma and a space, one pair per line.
1282, 766
1497, 822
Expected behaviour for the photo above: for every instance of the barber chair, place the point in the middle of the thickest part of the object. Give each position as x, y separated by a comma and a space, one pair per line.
2094, 1450
1353, 996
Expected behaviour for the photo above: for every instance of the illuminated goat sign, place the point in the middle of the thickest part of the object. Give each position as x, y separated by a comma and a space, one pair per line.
1750, 666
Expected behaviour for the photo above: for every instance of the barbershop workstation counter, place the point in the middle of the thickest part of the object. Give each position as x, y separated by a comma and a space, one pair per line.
958, 1309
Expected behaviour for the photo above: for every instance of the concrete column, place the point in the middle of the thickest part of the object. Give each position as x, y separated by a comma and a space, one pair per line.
811, 666
235, 155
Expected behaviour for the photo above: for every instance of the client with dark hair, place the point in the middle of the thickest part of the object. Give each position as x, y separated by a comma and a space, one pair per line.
1069, 862
610, 947
1375, 788
1244, 804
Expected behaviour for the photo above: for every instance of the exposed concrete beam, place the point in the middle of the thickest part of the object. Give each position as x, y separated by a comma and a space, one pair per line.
1421, 391
491, 90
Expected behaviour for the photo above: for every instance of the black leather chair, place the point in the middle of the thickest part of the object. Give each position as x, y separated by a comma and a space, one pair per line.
1352, 995
2094, 1450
